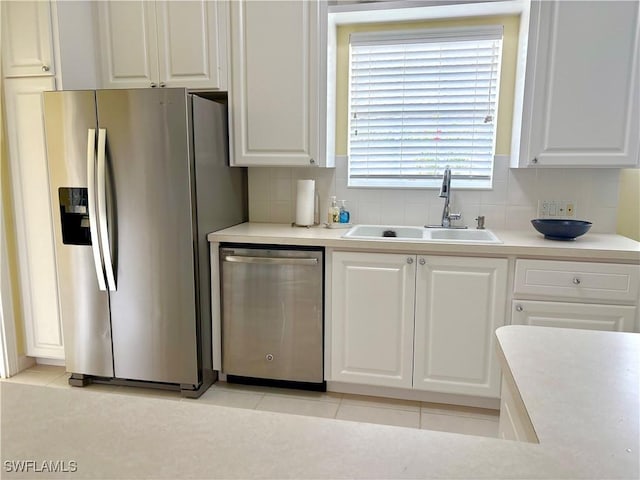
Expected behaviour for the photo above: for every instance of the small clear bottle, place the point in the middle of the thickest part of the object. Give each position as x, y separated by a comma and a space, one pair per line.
334, 211
345, 216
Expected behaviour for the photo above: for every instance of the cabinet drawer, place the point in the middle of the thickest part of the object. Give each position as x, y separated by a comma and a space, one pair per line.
587, 281
613, 318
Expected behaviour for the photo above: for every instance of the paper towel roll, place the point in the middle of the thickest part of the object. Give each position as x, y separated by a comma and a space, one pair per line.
304, 202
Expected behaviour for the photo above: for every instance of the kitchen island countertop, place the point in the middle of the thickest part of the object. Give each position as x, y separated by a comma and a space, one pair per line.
581, 390
524, 244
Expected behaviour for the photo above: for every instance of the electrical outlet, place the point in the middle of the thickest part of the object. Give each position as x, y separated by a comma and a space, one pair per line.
543, 208
556, 208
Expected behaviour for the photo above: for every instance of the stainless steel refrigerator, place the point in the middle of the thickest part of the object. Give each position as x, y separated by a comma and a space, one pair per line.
137, 180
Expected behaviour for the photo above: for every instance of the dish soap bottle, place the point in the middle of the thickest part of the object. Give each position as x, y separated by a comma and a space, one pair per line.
344, 213
334, 212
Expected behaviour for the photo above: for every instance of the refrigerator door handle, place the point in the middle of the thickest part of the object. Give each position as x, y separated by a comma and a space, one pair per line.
91, 192
102, 209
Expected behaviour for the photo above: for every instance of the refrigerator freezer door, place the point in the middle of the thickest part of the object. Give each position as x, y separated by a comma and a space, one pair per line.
150, 212
84, 308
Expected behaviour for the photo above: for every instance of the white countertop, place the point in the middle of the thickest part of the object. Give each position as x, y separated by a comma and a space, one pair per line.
581, 389
592, 246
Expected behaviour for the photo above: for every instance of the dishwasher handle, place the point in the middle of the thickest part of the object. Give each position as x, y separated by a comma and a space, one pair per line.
271, 260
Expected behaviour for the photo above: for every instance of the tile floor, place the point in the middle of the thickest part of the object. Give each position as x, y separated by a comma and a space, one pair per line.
358, 408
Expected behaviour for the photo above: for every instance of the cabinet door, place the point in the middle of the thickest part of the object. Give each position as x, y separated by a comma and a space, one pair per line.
372, 318
129, 44
27, 47
192, 44
582, 82
34, 227
574, 315
515, 423
274, 83
459, 304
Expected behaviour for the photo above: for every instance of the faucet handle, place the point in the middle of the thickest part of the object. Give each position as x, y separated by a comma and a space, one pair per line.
455, 216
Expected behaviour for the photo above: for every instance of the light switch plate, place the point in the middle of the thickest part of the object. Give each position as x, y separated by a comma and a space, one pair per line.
557, 209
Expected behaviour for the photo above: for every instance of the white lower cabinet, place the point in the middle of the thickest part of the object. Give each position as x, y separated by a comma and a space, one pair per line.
460, 302
585, 316
372, 318
454, 303
515, 423
558, 294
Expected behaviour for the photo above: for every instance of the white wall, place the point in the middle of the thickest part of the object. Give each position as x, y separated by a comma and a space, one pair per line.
510, 205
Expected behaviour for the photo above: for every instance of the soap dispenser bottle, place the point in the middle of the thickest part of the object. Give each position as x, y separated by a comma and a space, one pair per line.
334, 211
344, 213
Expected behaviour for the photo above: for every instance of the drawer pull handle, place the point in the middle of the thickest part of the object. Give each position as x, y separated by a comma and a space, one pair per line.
519, 308
409, 260
576, 281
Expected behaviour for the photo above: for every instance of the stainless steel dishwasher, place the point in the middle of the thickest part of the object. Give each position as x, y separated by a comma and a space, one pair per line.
272, 314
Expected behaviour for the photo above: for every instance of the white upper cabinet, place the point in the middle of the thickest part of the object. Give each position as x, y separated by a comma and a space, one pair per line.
192, 41
128, 41
276, 116
27, 44
582, 88
158, 44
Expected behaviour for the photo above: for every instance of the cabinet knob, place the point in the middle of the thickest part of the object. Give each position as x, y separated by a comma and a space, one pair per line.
269, 357
45, 68
576, 281
519, 308
312, 161
534, 161
422, 261
162, 85
153, 85
409, 260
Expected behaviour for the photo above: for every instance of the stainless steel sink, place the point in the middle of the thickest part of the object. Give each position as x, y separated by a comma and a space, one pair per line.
421, 234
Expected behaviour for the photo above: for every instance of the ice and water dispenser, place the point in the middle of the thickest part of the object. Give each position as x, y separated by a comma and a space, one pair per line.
74, 215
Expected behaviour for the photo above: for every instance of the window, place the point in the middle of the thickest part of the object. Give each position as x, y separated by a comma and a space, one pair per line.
421, 101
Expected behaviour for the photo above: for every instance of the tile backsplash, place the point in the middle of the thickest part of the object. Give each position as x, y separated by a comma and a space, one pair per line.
510, 205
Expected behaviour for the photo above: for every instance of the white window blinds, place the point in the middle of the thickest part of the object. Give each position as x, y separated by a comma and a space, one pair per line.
420, 101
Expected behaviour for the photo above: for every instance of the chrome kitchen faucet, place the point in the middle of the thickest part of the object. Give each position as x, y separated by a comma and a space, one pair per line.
445, 192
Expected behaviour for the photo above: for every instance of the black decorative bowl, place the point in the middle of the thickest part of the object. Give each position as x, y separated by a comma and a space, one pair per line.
554, 229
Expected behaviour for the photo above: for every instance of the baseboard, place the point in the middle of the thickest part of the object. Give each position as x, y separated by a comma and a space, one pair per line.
414, 395
25, 362
50, 361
